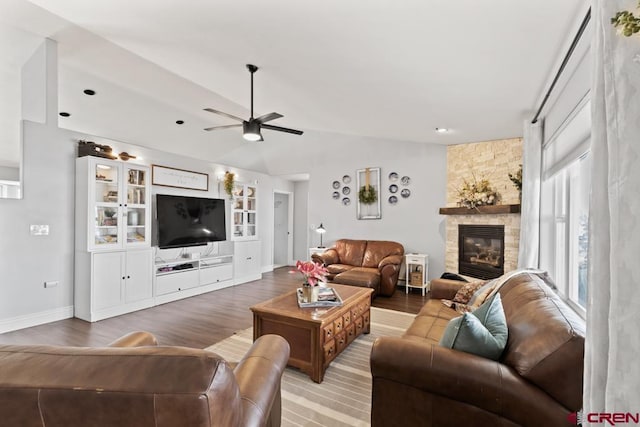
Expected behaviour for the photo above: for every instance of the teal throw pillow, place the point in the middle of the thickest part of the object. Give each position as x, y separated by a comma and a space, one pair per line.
482, 332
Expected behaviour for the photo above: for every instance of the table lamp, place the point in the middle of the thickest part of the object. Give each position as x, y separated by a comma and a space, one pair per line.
320, 230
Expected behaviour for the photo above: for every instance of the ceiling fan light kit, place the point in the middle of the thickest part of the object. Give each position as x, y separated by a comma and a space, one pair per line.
251, 128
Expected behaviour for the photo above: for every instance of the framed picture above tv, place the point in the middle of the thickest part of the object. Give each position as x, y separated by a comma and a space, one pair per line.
179, 178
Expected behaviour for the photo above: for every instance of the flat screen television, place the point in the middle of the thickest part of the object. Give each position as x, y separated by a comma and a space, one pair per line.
189, 221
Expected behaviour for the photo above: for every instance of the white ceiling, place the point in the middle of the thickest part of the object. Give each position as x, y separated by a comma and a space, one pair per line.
387, 69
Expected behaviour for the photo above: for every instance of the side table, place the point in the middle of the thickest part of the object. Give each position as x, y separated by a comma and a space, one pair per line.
417, 263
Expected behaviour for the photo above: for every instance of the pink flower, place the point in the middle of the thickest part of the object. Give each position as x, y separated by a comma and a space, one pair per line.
312, 272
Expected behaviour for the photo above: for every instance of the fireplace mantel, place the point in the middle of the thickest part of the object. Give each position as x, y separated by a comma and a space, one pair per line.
481, 210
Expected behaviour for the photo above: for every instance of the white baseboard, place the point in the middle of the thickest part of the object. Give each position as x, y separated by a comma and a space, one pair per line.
267, 268
35, 319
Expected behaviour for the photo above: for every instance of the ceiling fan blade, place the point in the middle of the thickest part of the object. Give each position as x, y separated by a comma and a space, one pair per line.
222, 113
281, 129
268, 117
223, 127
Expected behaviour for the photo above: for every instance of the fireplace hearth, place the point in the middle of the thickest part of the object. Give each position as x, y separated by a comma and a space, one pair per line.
481, 250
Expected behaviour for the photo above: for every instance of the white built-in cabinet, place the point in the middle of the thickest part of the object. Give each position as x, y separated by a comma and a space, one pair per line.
246, 261
244, 212
114, 260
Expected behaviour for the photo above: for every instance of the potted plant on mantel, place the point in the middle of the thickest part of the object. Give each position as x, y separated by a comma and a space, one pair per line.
516, 178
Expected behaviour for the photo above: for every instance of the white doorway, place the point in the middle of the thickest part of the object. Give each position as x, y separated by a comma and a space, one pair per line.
282, 229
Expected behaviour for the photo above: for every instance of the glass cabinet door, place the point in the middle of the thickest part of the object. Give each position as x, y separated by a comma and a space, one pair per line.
244, 212
136, 204
107, 204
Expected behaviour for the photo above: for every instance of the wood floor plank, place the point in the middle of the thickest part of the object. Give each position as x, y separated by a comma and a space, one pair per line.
192, 322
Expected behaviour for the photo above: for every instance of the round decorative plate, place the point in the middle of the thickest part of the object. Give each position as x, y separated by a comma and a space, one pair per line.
393, 177
336, 184
346, 191
346, 179
393, 188
393, 200
335, 195
346, 201
405, 193
405, 180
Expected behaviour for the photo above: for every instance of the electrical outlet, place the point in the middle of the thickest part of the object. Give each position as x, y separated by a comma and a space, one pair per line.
39, 229
51, 284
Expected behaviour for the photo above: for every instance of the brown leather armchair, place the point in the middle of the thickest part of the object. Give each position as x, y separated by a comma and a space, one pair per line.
369, 263
134, 382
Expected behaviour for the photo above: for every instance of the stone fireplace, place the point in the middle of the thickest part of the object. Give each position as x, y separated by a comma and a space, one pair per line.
481, 250
493, 160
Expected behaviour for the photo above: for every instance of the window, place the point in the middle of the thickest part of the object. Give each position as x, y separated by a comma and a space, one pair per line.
564, 209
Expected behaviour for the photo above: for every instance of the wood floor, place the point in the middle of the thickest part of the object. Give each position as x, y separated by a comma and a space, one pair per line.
193, 322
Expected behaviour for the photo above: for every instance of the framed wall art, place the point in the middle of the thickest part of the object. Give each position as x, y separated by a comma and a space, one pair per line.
179, 178
368, 197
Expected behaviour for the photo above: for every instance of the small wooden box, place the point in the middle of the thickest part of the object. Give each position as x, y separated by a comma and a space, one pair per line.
416, 278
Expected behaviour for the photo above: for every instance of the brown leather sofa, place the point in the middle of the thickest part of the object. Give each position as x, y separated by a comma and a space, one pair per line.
536, 382
373, 264
134, 382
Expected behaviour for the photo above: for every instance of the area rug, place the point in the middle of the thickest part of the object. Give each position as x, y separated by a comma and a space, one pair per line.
344, 397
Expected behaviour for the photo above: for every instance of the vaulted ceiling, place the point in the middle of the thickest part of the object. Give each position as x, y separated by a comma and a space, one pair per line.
378, 68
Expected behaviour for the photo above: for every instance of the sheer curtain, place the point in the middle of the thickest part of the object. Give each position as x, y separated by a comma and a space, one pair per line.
530, 204
612, 371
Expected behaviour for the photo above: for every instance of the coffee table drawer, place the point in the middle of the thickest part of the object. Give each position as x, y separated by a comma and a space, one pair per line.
359, 325
351, 332
328, 332
346, 319
329, 351
337, 326
341, 341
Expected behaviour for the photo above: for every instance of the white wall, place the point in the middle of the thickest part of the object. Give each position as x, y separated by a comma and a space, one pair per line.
414, 222
26, 262
301, 242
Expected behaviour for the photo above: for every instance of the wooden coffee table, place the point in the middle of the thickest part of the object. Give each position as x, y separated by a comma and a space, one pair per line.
316, 335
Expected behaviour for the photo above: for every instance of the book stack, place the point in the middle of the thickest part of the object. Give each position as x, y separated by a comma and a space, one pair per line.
326, 297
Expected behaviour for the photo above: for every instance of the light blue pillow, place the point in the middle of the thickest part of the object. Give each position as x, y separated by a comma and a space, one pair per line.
482, 332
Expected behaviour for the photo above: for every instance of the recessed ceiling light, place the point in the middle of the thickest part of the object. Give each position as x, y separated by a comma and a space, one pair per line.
89, 92
64, 114
442, 130
179, 122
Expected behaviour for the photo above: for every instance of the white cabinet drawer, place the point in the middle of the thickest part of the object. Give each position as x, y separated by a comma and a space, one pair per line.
216, 273
412, 259
168, 283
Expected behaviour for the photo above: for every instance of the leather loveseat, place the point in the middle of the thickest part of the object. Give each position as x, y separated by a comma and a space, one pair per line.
373, 264
137, 383
536, 382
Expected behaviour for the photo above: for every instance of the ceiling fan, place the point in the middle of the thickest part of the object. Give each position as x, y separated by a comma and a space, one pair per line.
251, 127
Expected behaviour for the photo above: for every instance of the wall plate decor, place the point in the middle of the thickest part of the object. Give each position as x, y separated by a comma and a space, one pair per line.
346, 191
179, 178
393, 188
393, 200
336, 195
393, 177
405, 180
336, 184
405, 193
368, 188
346, 201
346, 179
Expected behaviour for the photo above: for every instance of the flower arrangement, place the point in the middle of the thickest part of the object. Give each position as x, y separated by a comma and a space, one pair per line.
516, 178
627, 23
477, 193
312, 272
229, 181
